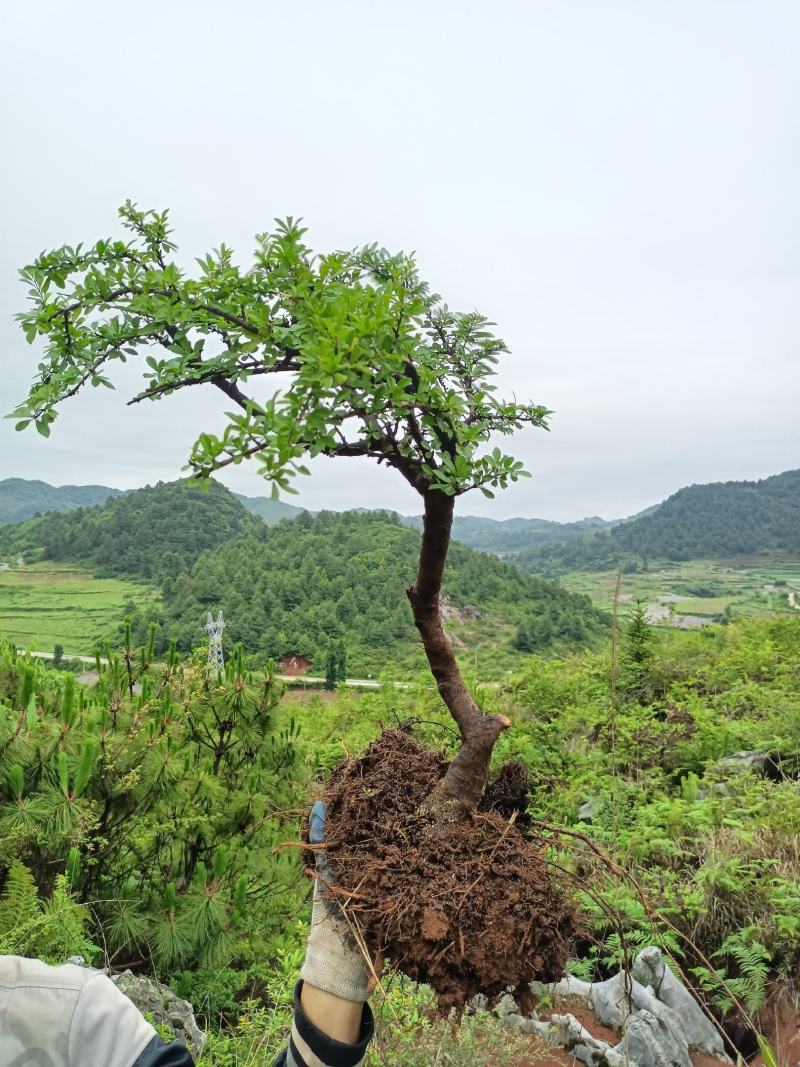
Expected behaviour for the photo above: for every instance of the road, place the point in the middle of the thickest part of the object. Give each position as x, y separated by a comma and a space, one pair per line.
312, 681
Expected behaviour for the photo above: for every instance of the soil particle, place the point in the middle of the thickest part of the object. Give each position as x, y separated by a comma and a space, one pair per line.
467, 906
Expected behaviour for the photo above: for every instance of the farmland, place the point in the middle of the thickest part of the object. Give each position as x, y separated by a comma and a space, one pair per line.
749, 586
60, 603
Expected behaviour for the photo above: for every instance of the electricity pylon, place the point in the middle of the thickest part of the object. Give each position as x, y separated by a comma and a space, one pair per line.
214, 628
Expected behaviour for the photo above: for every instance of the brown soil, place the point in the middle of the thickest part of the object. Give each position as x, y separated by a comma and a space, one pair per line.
465, 905
780, 1024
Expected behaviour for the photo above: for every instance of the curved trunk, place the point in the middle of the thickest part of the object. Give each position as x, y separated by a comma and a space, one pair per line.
466, 777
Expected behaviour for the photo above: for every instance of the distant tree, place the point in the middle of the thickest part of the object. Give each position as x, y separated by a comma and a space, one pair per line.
638, 637
335, 664
330, 668
341, 661
638, 657
58, 656
375, 365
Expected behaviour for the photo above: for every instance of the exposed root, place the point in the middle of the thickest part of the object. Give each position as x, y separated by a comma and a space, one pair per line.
465, 904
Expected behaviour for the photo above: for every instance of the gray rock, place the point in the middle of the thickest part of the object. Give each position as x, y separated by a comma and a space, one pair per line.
756, 762
512, 1021
657, 1017
651, 968
570, 986
650, 1041
590, 809
565, 1031
157, 1000
506, 1005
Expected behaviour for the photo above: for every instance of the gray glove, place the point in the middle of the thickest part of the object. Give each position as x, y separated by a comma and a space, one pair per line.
333, 962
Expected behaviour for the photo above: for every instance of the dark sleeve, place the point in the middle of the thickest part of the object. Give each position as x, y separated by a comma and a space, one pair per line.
160, 1054
329, 1051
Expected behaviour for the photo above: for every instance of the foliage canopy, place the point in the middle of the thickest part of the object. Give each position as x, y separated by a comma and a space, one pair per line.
375, 364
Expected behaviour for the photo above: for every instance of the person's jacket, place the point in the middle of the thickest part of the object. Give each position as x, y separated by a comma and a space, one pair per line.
72, 1016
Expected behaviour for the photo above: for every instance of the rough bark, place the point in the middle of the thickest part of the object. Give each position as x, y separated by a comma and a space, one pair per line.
466, 777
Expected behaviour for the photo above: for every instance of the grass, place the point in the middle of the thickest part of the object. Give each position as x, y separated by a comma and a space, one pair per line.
59, 603
748, 585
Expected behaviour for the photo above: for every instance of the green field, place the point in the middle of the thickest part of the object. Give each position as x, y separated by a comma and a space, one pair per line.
59, 603
750, 586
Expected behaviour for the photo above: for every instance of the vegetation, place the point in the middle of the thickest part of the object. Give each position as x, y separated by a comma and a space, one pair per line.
271, 511
145, 534
507, 537
156, 795
746, 586
294, 587
21, 498
700, 522
45, 604
703, 853
377, 367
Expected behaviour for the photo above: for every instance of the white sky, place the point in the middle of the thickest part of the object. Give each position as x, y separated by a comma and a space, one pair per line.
616, 183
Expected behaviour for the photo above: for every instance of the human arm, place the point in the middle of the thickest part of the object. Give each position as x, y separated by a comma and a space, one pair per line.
332, 1023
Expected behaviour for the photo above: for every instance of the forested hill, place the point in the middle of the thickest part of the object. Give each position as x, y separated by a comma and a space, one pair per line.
21, 498
294, 587
146, 534
271, 511
506, 537
700, 522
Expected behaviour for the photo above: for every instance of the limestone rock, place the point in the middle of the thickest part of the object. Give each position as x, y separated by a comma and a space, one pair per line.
163, 1007
649, 1041
651, 968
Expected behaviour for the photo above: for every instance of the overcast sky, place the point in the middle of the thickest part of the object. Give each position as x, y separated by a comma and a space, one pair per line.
616, 184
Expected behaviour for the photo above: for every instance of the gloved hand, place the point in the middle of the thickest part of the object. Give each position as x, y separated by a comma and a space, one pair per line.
333, 962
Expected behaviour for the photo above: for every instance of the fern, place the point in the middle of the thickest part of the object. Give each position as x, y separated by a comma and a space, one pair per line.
752, 960
52, 932
19, 903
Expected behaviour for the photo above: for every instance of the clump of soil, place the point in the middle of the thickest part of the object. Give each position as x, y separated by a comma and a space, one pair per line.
507, 793
466, 906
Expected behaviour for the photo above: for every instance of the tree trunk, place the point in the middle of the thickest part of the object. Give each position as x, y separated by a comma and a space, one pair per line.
466, 777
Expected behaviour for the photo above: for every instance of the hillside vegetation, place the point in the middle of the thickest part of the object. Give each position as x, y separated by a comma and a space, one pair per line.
21, 498
723, 519
296, 586
507, 537
88, 781
146, 534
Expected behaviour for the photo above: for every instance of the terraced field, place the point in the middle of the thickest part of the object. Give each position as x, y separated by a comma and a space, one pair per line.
748, 586
59, 603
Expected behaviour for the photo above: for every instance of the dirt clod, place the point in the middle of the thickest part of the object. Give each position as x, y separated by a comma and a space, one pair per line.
466, 906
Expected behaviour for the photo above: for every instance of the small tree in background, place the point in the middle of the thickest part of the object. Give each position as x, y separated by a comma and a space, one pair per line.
372, 364
58, 656
638, 656
335, 664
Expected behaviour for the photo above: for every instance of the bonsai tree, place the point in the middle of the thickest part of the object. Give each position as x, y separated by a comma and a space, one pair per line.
367, 362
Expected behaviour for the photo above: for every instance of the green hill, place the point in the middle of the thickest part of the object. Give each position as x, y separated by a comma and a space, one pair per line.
21, 498
507, 537
294, 587
715, 521
145, 534
271, 511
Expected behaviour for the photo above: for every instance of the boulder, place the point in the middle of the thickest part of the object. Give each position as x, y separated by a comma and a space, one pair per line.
755, 762
565, 1031
651, 970
163, 1007
650, 1041
657, 1017
590, 809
